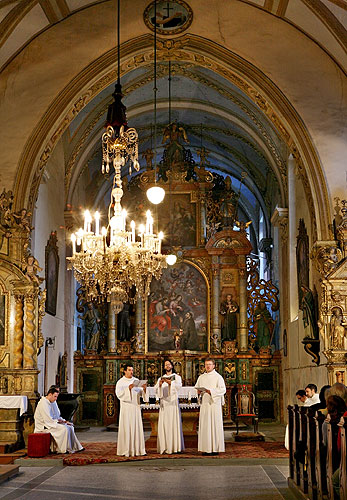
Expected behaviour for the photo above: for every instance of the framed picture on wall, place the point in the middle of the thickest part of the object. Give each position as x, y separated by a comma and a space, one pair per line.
52, 272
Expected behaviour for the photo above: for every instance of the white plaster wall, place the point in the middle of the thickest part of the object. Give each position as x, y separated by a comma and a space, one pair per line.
49, 216
298, 368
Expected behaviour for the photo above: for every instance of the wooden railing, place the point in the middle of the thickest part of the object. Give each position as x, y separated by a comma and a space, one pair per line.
317, 454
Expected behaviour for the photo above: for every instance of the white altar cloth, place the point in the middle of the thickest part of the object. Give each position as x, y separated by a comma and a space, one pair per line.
186, 392
9, 402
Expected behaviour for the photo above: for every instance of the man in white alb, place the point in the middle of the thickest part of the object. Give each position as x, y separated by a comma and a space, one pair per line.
211, 390
170, 435
47, 420
131, 441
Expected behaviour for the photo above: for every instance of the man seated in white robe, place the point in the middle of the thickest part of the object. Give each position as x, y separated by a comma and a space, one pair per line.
47, 420
131, 441
170, 435
211, 390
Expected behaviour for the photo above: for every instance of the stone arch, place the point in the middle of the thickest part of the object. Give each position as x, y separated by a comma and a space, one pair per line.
139, 51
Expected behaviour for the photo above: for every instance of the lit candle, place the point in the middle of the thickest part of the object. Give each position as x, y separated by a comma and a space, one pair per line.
148, 217
97, 223
80, 233
141, 229
86, 219
160, 236
132, 225
124, 216
73, 239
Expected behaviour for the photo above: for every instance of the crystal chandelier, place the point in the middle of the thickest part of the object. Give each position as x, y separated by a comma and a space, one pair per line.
113, 262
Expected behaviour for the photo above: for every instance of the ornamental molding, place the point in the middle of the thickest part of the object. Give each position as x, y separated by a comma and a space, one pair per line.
137, 53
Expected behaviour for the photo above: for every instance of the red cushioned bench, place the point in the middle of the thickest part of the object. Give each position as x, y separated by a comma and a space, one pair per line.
39, 444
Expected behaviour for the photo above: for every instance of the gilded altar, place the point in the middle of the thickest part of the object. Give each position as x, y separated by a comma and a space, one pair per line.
211, 302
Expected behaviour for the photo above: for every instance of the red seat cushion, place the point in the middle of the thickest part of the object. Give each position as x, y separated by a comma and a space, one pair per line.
39, 444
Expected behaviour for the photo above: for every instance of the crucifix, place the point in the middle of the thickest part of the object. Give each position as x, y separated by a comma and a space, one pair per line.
168, 8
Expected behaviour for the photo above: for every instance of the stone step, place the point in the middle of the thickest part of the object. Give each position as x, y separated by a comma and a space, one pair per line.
9, 458
8, 471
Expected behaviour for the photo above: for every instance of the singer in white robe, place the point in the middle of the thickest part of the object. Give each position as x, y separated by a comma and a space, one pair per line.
63, 434
211, 433
131, 441
170, 435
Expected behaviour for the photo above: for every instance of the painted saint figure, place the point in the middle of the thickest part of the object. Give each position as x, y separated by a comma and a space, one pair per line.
263, 325
124, 325
229, 310
189, 333
92, 328
309, 312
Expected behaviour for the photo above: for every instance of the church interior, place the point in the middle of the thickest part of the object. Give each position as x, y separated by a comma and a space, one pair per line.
237, 110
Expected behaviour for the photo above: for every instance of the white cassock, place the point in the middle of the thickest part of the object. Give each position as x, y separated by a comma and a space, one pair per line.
131, 441
170, 435
211, 434
46, 420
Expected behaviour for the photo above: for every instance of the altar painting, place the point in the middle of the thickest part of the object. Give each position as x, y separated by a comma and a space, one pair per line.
177, 310
177, 220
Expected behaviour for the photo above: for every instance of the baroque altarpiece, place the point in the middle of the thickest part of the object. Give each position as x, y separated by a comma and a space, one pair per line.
211, 302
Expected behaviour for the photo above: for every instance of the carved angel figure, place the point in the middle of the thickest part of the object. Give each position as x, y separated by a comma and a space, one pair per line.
30, 268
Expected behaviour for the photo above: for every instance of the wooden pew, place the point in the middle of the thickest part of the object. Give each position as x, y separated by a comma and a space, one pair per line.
303, 449
332, 455
291, 441
320, 457
296, 434
311, 454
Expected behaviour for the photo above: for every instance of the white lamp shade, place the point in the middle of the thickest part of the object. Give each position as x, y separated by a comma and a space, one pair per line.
171, 259
155, 194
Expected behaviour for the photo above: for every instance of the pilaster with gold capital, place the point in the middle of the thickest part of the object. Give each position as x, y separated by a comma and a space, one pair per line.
18, 332
216, 329
112, 326
29, 351
243, 325
140, 329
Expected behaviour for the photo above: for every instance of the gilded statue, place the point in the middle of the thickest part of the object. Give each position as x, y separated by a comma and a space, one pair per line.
309, 312
263, 325
337, 329
148, 156
92, 327
30, 268
174, 149
229, 309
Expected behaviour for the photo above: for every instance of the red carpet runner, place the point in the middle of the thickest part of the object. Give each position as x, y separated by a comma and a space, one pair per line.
101, 453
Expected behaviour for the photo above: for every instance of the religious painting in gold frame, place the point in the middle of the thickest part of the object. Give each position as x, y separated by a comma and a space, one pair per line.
178, 310
178, 220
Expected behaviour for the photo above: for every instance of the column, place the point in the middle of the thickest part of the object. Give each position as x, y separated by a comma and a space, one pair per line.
243, 326
18, 332
216, 331
111, 337
140, 330
29, 352
292, 230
